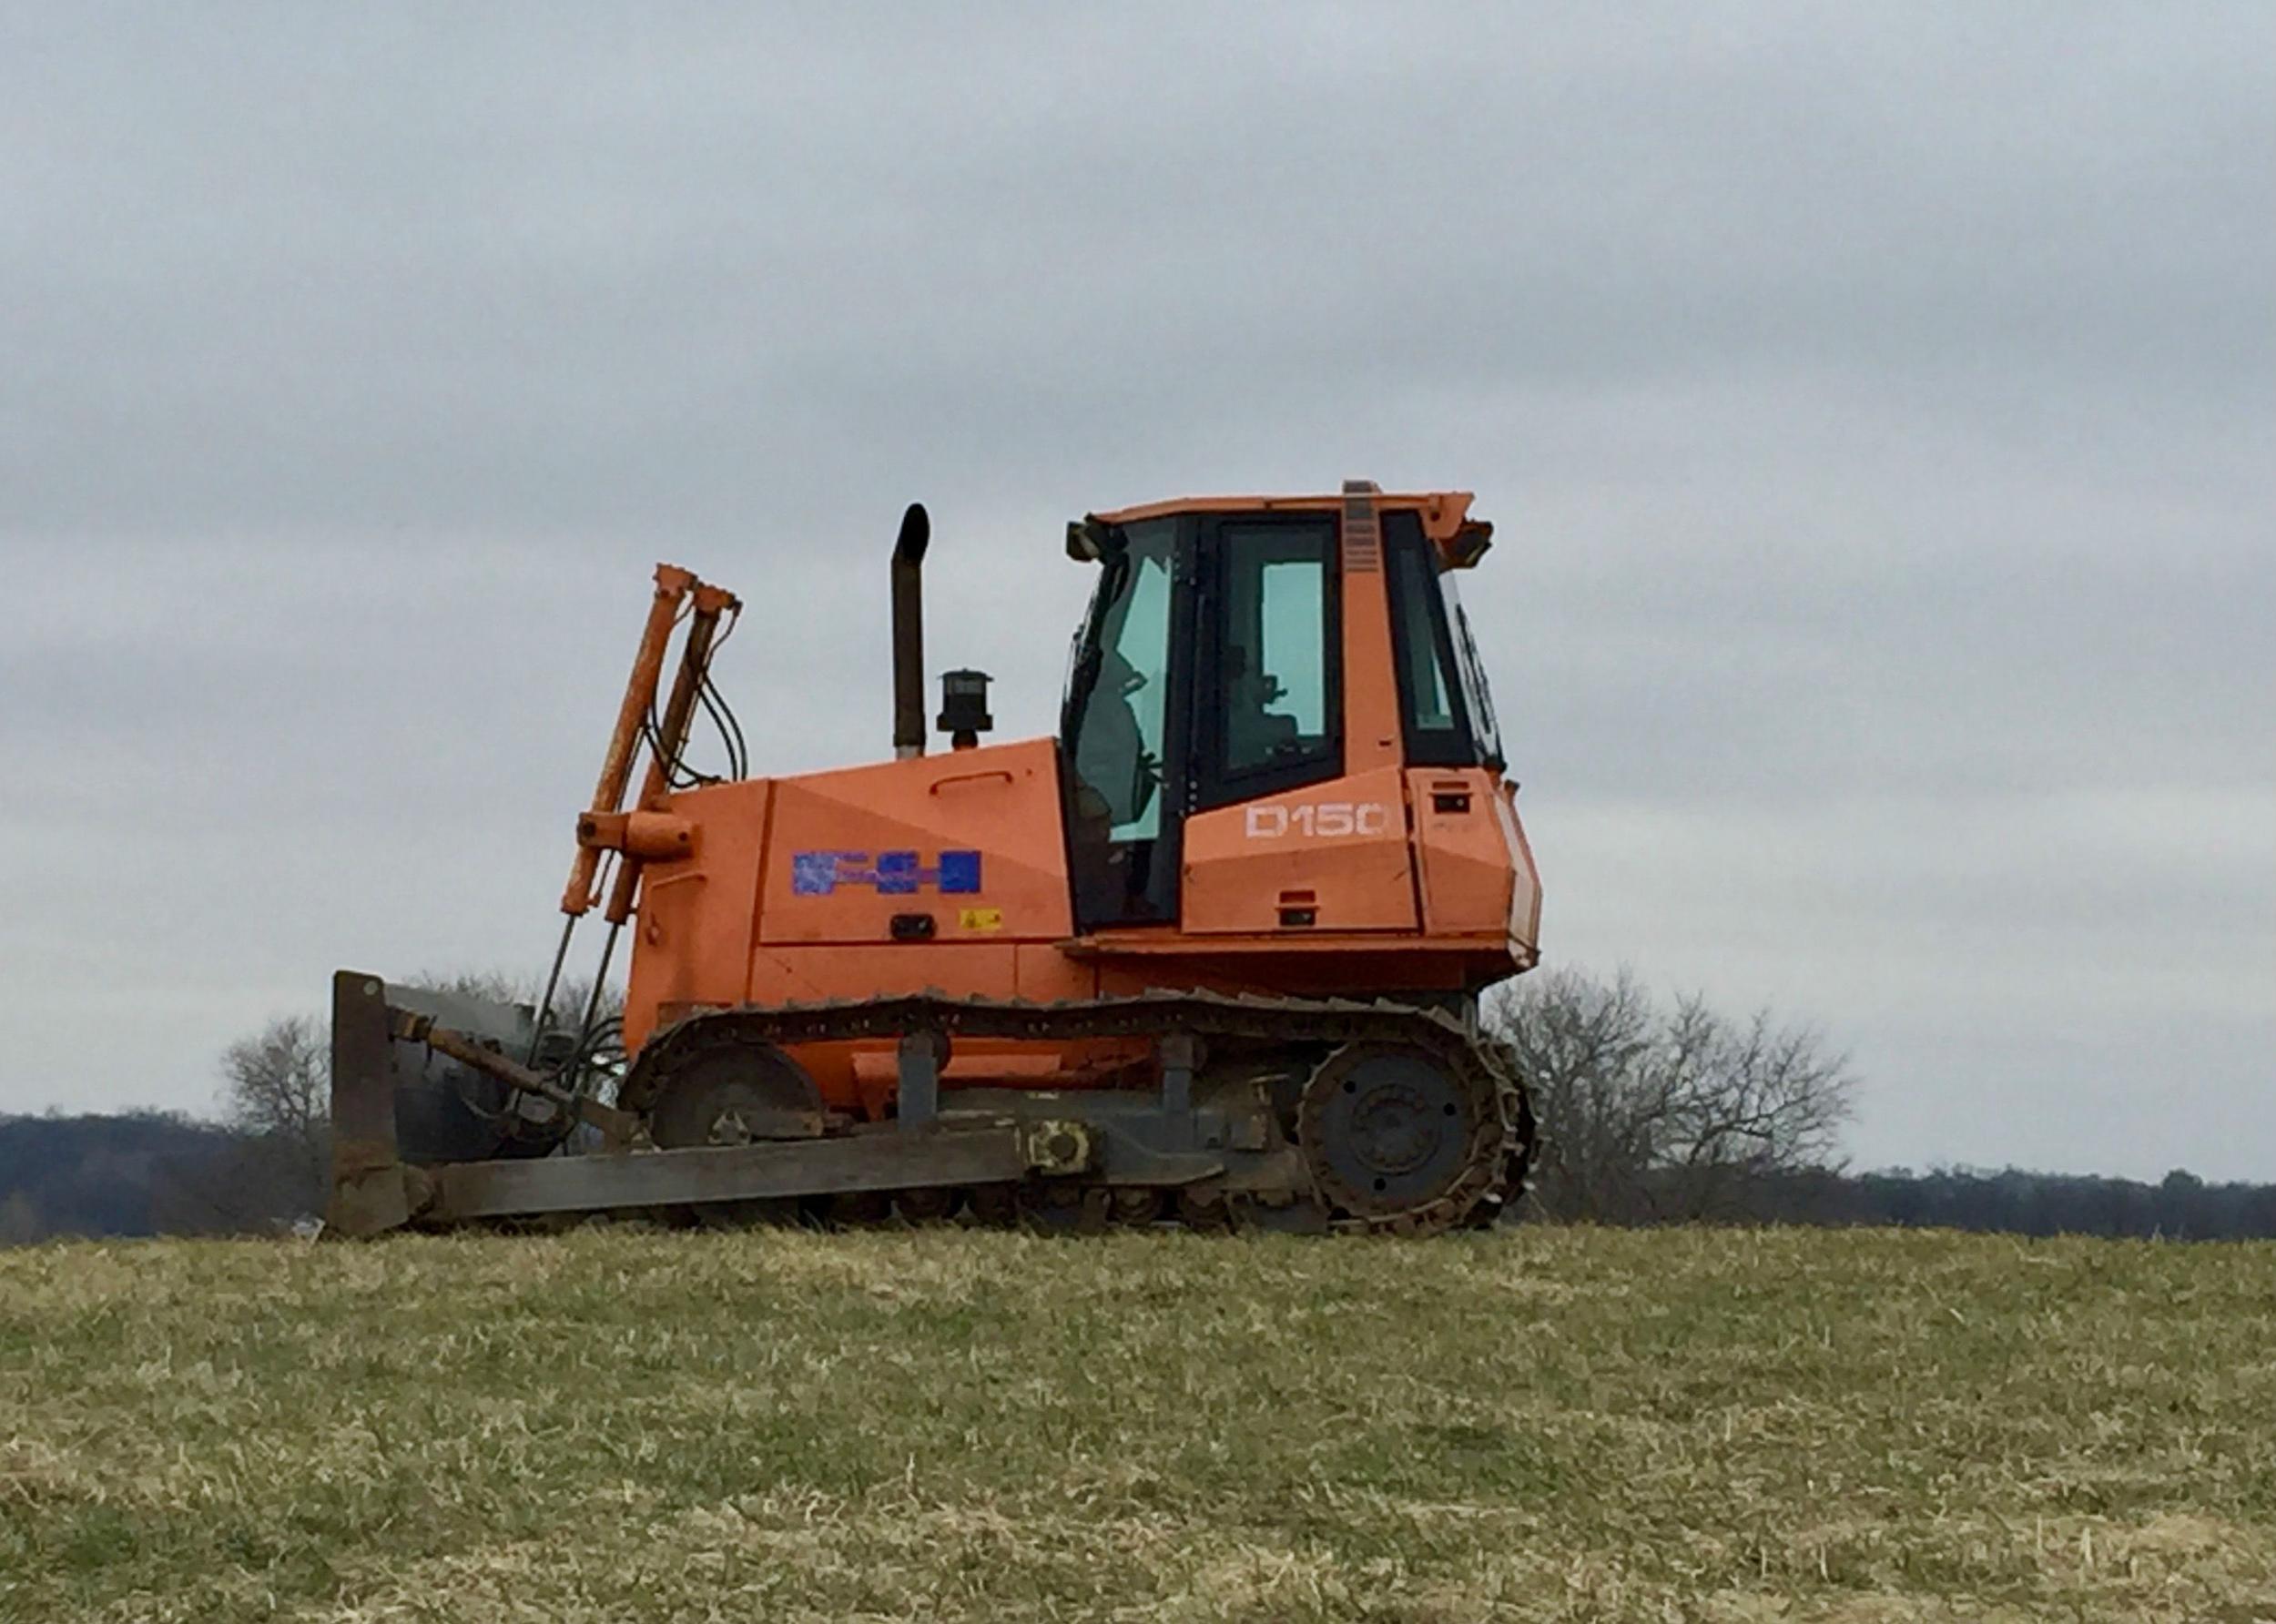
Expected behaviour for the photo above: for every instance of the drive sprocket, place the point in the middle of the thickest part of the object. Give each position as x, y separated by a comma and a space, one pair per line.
1402, 1138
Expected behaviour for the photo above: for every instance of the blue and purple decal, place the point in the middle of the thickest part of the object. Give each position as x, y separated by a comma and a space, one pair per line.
889, 874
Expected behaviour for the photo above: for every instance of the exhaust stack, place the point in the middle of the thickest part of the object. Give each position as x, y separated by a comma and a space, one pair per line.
909, 633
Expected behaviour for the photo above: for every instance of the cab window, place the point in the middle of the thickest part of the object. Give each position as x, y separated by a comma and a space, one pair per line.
1272, 707
1432, 689
1121, 685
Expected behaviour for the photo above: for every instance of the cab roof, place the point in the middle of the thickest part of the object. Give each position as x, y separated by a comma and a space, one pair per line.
1445, 514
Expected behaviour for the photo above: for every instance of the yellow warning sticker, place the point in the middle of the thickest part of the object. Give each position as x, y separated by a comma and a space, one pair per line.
980, 919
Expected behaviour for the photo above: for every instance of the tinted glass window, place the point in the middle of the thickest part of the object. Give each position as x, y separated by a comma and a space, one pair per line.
1432, 709
1121, 685
1274, 671
1431, 688
1271, 709
1476, 699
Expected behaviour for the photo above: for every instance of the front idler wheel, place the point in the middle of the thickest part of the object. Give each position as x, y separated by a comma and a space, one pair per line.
737, 1096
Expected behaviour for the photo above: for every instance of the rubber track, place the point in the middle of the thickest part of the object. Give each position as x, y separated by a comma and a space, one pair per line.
1498, 1152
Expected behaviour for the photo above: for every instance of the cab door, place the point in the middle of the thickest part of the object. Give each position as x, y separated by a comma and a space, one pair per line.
1278, 838
1124, 751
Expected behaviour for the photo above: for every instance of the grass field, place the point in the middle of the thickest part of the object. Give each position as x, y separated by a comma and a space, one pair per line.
624, 1423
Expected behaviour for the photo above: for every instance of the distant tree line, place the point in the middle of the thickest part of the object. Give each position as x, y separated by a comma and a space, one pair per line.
1651, 1111
261, 1168
139, 1174
2180, 1207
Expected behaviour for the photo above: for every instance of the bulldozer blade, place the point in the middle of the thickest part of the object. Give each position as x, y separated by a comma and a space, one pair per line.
369, 1193
409, 1094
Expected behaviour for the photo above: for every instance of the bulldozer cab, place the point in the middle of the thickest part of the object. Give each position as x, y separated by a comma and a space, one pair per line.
1233, 654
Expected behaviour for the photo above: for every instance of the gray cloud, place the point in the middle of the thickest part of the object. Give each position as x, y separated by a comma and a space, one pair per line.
1877, 406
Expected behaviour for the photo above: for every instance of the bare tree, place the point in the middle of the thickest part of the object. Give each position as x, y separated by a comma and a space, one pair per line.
280, 1082
277, 1090
1651, 1114
1747, 1099
1581, 1045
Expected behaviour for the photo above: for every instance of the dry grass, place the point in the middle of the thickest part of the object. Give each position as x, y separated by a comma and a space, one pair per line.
620, 1424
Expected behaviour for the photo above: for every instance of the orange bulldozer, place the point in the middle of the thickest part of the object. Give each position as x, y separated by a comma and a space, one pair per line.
1214, 953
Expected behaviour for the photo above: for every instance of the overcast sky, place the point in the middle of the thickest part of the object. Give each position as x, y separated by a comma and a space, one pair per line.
1876, 404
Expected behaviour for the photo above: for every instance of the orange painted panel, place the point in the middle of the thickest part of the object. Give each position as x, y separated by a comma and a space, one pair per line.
1464, 859
971, 837
1478, 872
1339, 849
810, 973
691, 935
1352, 965
1044, 974
1371, 721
